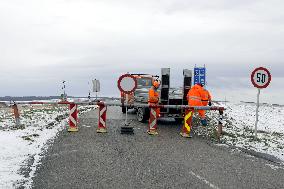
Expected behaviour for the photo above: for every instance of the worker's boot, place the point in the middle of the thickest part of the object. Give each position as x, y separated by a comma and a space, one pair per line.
186, 135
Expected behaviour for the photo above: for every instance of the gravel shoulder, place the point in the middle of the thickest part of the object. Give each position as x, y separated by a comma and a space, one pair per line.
90, 160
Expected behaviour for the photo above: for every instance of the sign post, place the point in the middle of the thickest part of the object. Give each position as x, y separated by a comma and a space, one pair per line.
127, 84
260, 79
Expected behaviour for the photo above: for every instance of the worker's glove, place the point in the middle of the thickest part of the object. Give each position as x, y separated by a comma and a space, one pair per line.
209, 103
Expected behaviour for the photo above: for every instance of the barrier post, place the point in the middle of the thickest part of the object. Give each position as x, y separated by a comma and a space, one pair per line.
220, 125
16, 114
186, 128
102, 118
152, 127
73, 117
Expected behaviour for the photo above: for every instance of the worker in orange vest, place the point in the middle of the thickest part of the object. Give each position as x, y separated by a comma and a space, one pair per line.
194, 99
153, 99
153, 95
206, 97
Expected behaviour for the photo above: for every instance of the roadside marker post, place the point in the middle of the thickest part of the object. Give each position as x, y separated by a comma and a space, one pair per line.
102, 118
152, 127
73, 118
260, 78
127, 84
186, 128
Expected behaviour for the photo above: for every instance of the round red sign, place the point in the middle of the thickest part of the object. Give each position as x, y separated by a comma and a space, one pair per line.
127, 83
260, 77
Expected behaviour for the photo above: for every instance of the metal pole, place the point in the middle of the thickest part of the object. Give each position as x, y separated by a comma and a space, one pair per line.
126, 98
257, 106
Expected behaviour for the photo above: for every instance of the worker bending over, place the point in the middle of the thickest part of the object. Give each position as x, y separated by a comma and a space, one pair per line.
194, 96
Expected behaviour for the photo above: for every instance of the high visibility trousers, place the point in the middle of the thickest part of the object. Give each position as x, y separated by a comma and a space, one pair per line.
197, 102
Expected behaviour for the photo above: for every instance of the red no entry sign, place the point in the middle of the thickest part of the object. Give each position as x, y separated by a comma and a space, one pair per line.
127, 83
260, 77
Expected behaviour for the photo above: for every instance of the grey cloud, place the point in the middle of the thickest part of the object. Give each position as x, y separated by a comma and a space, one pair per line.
42, 44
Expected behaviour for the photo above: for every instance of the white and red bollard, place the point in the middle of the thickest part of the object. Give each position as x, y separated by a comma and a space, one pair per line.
102, 118
152, 127
186, 128
73, 118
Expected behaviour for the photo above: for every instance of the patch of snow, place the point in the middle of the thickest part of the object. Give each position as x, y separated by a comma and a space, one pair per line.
239, 125
39, 124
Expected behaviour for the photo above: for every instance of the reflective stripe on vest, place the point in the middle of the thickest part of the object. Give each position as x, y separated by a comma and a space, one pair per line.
195, 98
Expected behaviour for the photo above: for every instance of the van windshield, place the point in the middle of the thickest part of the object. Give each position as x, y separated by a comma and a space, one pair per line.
144, 82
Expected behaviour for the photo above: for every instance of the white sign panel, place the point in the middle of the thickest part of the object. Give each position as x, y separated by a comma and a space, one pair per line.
96, 86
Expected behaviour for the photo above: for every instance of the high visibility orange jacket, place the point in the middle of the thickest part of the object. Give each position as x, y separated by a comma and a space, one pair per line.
153, 96
194, 96
194, 99
205, 97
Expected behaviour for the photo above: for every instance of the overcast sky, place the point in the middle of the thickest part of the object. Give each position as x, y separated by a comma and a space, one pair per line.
43, 42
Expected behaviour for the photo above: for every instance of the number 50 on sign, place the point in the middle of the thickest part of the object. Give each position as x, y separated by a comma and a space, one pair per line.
260, 77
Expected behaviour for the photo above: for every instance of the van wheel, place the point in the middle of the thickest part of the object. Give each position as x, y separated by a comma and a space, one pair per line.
142, 114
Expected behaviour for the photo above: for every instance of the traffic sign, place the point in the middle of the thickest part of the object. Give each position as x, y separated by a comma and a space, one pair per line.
260, 77
96, 85
200, 75
127, 83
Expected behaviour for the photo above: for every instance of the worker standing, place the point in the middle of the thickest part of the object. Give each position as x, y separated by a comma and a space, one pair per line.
194, 96
206, 97
153, 99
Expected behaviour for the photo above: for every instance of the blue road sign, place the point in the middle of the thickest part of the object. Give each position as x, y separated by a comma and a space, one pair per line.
200, 75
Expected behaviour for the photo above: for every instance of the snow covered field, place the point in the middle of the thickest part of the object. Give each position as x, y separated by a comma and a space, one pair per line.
239, 124
22, 147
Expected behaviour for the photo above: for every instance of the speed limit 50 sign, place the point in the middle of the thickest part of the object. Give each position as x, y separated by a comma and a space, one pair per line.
260, 77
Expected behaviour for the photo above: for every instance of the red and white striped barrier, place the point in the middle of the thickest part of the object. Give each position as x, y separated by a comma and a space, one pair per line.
102, 118
73, 117
152, 129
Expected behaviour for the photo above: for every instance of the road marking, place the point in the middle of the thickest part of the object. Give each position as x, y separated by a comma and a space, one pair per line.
204, 180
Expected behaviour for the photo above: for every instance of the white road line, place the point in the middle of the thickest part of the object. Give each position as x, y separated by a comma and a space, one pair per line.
204, 180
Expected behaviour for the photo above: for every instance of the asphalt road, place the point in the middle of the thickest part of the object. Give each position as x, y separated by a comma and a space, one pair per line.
90, 160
